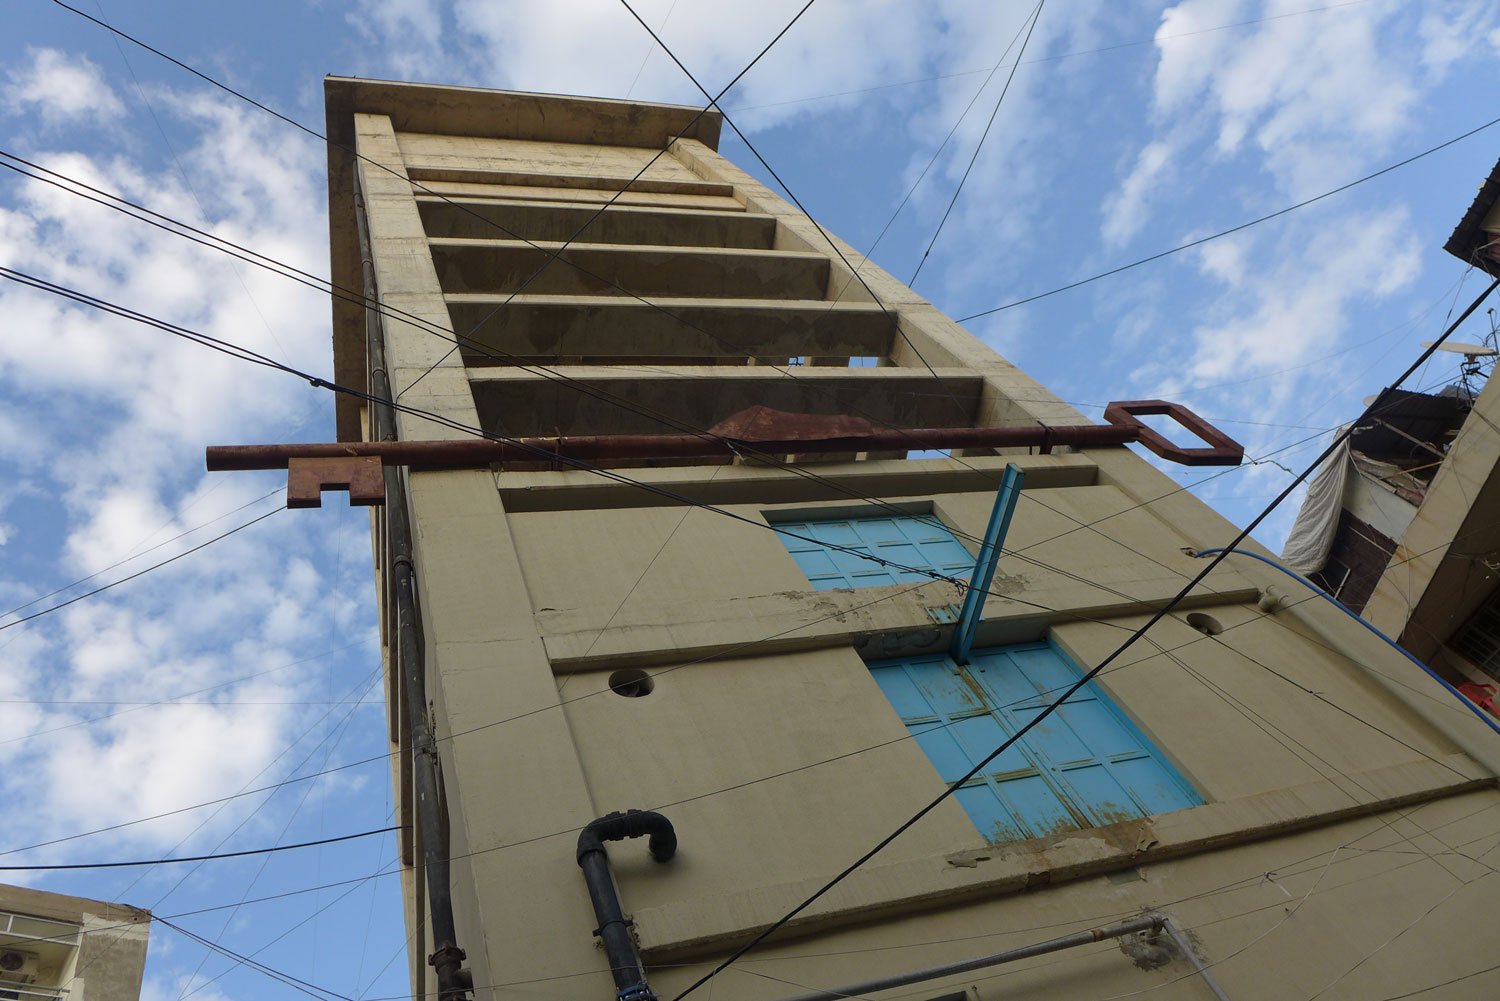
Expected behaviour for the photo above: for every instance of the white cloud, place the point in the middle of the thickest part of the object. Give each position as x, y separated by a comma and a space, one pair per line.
1125, 211
111, 419
1318, 95
62, 89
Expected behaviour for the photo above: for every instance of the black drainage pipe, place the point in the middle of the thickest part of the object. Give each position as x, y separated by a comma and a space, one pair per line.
453, 981
614, 929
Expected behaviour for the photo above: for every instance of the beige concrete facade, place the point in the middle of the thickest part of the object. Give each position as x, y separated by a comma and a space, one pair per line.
1336, 817
55, 946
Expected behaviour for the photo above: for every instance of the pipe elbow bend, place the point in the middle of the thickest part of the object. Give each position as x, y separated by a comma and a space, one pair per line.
630, 824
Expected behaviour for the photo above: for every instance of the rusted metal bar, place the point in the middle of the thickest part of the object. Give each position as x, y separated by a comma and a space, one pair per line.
1220, 450
484, 451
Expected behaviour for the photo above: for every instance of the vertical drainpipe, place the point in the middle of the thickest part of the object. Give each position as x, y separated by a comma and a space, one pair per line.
447, 959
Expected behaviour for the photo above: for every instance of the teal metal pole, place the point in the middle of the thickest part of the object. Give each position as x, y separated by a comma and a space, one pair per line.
984, 567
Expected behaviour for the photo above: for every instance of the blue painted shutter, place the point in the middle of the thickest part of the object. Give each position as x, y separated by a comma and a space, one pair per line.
1083, 766
908, 540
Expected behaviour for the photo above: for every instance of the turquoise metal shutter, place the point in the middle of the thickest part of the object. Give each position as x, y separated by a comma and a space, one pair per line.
1084, 766
908, 540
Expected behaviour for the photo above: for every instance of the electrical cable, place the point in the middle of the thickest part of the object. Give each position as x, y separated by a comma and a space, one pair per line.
1234, 229
173, 700
930, 162
342, 728
187, 181
311, 990
101, 954
1036, 16
135, 556
1087, 676
139, 573
1432, 987
838, 486
195, 858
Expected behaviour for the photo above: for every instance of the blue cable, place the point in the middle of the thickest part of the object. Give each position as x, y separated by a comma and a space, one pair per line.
1489, 721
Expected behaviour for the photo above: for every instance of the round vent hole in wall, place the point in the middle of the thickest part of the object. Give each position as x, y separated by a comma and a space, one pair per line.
632, 683
1205, 624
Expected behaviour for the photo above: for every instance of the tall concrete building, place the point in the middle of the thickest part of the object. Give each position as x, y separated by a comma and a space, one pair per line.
744, 619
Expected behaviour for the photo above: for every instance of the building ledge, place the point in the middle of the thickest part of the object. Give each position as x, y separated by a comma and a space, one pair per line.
693, 928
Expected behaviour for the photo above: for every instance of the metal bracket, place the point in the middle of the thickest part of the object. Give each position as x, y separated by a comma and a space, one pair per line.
984, 566
362, 475
1222, 451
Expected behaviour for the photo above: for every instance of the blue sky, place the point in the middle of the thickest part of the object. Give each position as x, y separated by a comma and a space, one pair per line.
1130, 127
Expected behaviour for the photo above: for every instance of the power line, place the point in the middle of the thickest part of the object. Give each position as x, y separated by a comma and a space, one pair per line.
134, 556
1232, 229
932, 160
196, 858
1036, 16
310, 989
139, 573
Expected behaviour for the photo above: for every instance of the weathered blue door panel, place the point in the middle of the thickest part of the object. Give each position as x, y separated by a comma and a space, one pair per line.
1084, 765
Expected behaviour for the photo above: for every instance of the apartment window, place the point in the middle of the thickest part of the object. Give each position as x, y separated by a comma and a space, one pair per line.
834, 552
1084, 766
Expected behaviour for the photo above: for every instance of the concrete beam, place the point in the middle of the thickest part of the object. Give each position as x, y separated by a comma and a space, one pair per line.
581, 196
608, 327
484, 218
572, 490
597, 399
475, 175
505, 265
905, 622
692, 928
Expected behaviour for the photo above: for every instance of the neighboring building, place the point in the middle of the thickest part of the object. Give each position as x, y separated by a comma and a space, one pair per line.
1416, 498
1294, 795
1366, 495
53, 946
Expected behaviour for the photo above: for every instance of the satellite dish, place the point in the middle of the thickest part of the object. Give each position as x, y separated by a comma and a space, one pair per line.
1470, 350
1371, 398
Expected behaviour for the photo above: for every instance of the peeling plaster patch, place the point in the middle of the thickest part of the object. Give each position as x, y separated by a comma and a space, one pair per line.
970, 859
1149, 951
895, 643
1009, 583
